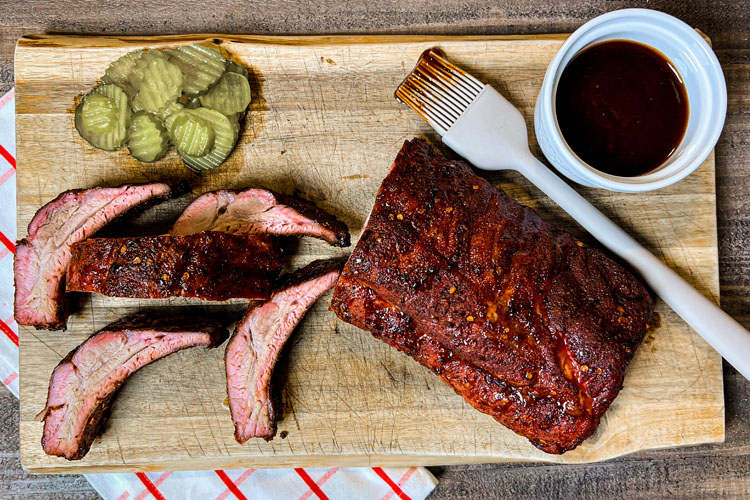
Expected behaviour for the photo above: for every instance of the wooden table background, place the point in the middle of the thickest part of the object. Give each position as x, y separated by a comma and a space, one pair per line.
721, 470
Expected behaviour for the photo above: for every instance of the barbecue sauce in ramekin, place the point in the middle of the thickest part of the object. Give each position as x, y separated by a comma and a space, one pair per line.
622, 107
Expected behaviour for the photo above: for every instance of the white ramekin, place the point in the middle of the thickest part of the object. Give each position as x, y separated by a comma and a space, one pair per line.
700, 71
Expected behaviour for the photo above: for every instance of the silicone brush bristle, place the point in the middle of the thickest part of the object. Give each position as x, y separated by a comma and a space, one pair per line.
438, 91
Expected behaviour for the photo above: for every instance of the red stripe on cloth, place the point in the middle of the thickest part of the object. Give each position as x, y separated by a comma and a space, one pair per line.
3, 252
8, 244
311, 484
143, 494
396, 488
320, 482
7, 175
10, 333
7, 97
150, 486
162, 478
401, 482
230, 484
123, 496
4, 153
238, 481
10, 378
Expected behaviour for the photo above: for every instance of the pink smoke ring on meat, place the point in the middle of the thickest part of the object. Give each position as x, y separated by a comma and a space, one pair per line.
260, 211
257, 342
42, 258
84, 383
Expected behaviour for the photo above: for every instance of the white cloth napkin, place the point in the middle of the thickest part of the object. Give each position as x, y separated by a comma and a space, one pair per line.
254, 484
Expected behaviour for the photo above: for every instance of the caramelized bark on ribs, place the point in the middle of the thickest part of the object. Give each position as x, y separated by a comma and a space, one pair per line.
255, 346
528, 324
209, 265
42, 258
86, 381
260, 211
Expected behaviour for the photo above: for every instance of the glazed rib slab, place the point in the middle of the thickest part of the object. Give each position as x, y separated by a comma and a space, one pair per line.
209, 265
524, 321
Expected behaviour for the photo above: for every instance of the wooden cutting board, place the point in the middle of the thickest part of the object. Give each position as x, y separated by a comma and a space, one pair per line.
324, 124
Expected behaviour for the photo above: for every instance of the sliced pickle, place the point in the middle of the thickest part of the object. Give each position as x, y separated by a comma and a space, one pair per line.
159, 84
118, 95
191, 96
148, 140
170, 118
98, 113
230, 95
118, 72
167, 111
224, 141
235, 119
136, 74
233, 67
202, 66
103, 117
191, 134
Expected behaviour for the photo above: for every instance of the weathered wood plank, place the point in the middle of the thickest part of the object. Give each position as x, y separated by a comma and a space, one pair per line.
627, 478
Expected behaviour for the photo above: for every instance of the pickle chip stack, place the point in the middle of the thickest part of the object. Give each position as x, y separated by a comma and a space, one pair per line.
191, 97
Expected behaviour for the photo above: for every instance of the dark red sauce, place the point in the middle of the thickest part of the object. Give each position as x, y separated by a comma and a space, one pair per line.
622, 107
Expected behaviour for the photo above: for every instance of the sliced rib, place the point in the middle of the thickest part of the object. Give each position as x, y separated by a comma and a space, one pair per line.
43, 256
209, 265
83, 385
260, 211
260, 336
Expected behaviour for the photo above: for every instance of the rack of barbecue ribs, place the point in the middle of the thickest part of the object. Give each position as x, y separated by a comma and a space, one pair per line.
524, 321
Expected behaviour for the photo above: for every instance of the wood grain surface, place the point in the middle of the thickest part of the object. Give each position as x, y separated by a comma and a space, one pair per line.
717, 471
324, 123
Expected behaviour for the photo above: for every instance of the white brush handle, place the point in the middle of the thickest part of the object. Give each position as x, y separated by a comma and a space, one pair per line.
719, 329
492, 135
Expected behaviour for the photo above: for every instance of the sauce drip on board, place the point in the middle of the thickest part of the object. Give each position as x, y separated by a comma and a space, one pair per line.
622, 107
